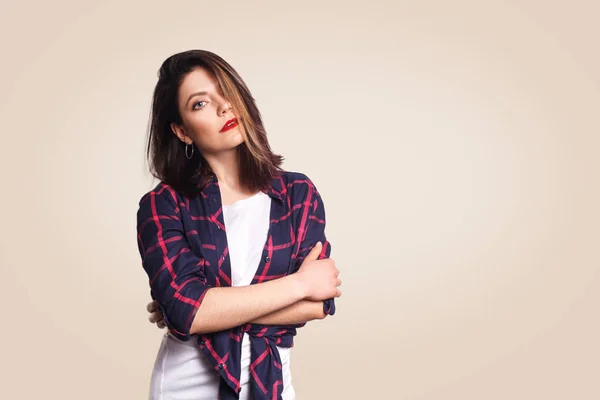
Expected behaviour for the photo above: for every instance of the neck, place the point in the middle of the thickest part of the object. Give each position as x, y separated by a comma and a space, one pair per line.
226, 166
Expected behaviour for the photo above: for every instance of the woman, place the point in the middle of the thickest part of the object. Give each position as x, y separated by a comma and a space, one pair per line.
234, 246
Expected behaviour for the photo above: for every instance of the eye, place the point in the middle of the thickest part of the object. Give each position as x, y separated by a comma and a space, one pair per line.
198, 102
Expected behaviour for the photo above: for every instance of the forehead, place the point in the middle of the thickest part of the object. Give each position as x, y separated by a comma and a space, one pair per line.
197, 80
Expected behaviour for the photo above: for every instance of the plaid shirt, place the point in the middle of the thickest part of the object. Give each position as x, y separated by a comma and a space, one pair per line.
183, 245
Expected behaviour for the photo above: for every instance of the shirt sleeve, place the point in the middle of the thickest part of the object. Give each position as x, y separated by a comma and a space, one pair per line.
176, 274
313, 231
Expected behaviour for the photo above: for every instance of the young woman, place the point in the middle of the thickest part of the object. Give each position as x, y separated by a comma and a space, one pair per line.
233, 245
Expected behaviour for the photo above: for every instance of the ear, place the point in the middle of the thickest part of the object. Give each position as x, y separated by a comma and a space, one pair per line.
180, 133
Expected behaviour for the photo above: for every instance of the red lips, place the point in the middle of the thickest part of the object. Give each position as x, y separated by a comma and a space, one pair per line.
232, 123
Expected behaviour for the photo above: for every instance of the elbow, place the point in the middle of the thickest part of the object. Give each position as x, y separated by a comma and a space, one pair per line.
181, 330
198, 327
202, 325
201, 320
185, 319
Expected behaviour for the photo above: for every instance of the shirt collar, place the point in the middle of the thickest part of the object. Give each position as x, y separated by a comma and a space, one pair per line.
275, 190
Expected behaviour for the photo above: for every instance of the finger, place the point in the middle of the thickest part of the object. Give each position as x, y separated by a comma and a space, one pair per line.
315, 252
155, 317
339, 282
152, 306
161, 324
338, 293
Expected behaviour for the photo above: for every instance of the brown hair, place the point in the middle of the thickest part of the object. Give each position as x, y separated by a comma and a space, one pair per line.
166, 153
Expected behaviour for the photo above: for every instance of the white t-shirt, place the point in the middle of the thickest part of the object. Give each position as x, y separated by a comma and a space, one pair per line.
181, 370
247, 225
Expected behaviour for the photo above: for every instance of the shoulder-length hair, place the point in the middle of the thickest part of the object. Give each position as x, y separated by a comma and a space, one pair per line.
166, 153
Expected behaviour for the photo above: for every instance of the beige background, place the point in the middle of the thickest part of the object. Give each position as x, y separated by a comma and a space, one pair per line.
455, 145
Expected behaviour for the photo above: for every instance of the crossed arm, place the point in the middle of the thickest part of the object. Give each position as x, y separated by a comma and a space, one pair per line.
293, 299
280, 302
299, 312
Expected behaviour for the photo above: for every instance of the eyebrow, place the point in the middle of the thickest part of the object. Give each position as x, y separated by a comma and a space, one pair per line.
195, 94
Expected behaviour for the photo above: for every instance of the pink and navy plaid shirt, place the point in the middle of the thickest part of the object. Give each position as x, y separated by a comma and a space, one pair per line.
183, 245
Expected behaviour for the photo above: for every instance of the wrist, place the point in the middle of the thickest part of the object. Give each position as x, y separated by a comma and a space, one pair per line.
321, 314
298, 286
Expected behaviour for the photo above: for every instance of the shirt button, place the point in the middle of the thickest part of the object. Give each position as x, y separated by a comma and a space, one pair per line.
219, 227
220, 366
267, 258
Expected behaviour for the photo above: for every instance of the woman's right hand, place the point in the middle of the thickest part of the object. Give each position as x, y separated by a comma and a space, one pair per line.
320, 278
156, 316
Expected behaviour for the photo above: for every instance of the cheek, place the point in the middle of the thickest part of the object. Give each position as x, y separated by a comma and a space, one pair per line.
203, 131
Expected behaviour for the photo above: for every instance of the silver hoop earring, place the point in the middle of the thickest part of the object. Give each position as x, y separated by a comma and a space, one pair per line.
186, 151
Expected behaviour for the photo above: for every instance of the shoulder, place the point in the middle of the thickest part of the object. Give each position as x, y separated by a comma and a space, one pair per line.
299, 187
160, 197
294, 180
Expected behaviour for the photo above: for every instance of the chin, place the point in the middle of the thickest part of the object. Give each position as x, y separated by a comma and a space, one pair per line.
238, 138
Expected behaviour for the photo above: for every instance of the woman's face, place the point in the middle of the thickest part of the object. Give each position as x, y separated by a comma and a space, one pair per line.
204, 113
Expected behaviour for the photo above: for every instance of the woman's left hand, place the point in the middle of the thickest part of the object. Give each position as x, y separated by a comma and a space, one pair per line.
156, 316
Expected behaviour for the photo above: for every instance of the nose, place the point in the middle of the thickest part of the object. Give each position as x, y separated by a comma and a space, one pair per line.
225, 107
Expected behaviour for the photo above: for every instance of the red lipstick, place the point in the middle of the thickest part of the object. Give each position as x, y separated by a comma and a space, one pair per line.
232, 123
